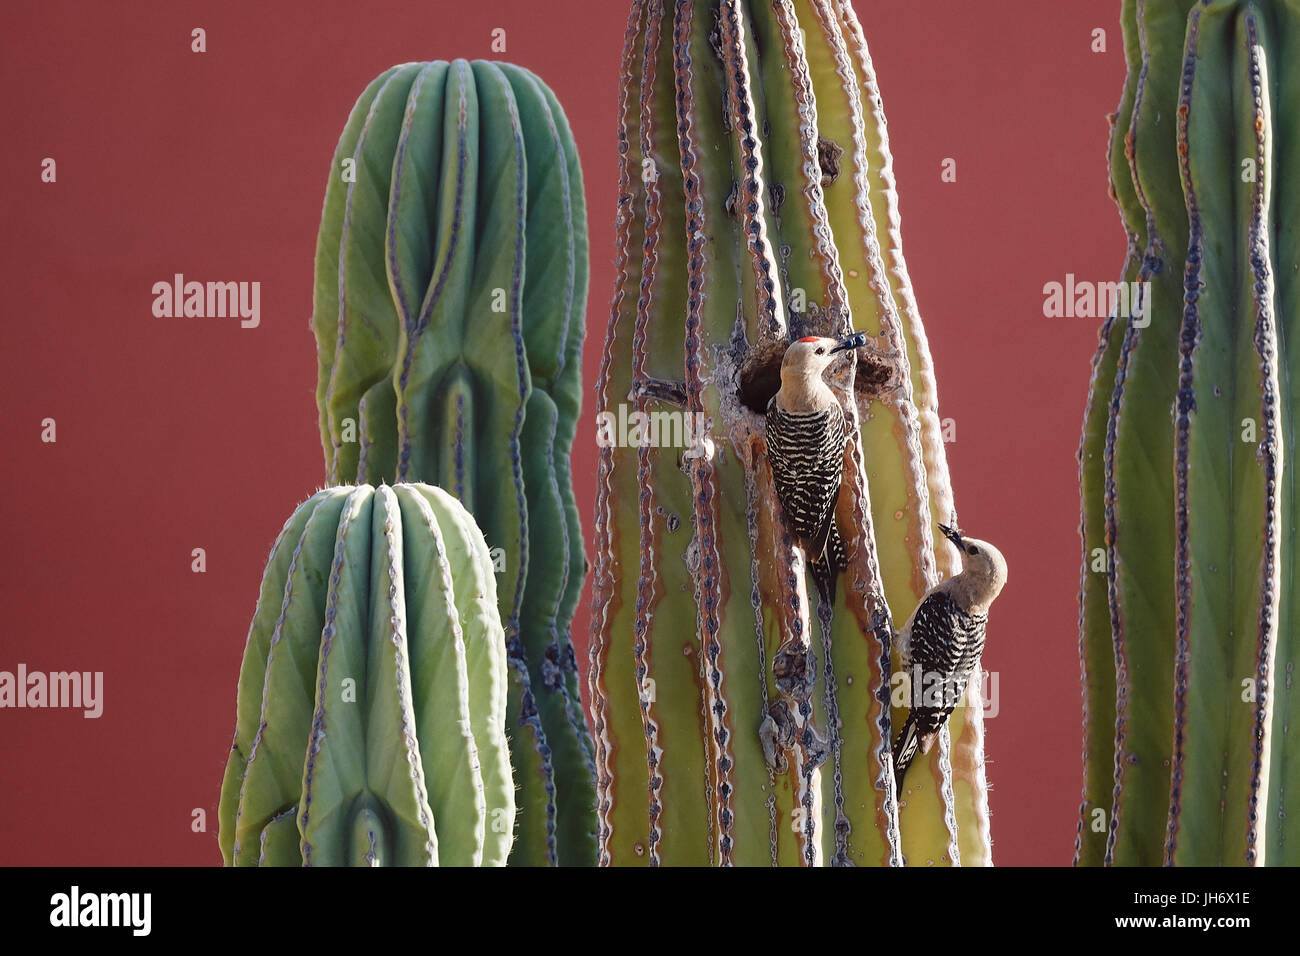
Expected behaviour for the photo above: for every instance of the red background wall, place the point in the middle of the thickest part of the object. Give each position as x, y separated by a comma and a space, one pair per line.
175, 434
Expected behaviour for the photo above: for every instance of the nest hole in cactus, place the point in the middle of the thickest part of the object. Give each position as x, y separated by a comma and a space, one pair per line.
760, 375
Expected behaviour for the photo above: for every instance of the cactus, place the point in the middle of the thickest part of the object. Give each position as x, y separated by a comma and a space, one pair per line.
1187, 607
756, 204
451, 277
372, 696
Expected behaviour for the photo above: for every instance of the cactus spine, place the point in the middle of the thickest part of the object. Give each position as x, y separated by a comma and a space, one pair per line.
1187, 627
451, 278
372, 697
757, 204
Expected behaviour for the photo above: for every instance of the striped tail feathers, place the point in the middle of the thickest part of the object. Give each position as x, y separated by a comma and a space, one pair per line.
827, 567
905, 748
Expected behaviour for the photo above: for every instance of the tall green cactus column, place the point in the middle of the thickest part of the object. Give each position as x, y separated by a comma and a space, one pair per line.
1187, 628
372, 697
451, 279
735, 723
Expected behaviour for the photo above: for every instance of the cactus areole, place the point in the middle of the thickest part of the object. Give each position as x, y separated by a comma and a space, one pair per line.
734, 723
451, 279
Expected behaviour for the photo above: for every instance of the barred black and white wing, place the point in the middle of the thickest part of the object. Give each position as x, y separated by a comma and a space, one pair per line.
940, 649
806, 450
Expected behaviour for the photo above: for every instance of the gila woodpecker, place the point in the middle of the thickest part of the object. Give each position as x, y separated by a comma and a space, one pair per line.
806, 434
940, 645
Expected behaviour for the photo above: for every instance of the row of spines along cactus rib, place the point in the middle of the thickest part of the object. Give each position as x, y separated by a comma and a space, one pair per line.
451, 279
734, 723
1189, 585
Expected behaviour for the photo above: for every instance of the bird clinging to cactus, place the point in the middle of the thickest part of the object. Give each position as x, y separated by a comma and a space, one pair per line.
941, 643
806, 435
756, 204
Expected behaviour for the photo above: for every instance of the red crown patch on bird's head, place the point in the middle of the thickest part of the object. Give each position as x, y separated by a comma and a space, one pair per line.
810, 338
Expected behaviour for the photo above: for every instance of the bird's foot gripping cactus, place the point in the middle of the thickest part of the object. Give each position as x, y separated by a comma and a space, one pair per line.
1190, 591
451, 278
372, 697
757, 205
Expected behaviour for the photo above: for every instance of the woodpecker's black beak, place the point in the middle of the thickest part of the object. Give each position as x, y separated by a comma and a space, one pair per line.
854, 340
953, 535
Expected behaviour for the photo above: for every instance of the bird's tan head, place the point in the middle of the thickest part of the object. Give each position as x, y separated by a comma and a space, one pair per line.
983, 571
803, 365
812, 353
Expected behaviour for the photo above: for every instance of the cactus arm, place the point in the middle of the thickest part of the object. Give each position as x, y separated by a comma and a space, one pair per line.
1226, 624
1096, 647
252, 672
1284, 776
440, 682
326, 292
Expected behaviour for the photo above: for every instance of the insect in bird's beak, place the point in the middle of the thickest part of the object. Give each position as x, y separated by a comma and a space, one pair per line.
854, 340
953, 535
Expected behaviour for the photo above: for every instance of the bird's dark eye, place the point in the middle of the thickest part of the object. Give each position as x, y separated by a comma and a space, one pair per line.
972, 550
821, 351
